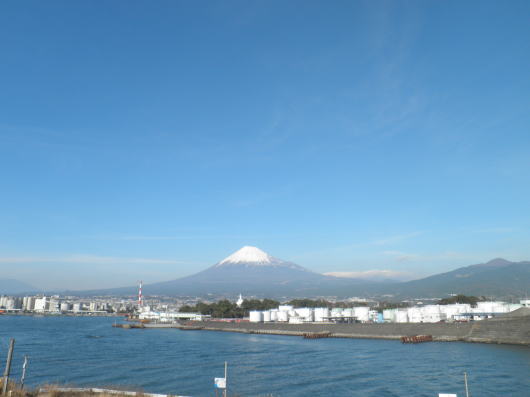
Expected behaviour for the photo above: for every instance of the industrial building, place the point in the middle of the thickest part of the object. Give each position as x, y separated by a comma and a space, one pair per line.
171, 317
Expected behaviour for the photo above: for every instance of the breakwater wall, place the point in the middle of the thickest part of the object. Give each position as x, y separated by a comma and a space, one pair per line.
507, 331
54, 391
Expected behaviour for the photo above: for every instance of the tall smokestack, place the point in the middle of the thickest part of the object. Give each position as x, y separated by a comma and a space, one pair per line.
140, 297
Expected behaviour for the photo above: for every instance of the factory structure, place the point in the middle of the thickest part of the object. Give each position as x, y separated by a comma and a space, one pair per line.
364, 314
358, 314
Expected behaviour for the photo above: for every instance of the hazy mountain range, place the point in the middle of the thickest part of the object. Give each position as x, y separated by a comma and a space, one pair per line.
9, 286
251, 271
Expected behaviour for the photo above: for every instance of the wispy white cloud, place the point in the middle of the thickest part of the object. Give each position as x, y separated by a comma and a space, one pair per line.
371, 274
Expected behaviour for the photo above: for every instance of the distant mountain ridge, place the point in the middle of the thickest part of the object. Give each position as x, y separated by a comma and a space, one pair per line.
248, 271
498, 278
10, 286
251, 271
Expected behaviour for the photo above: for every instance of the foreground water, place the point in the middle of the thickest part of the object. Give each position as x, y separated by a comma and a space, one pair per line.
90, 352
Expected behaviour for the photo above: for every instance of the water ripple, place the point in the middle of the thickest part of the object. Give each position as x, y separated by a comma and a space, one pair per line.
89, 352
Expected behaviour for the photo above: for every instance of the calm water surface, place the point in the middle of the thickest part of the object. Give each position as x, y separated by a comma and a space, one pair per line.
89, 352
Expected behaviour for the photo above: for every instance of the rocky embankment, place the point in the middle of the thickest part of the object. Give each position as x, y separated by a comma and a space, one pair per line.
510, 329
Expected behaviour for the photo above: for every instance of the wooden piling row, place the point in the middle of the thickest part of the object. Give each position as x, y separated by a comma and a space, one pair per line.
317, 335
416, 339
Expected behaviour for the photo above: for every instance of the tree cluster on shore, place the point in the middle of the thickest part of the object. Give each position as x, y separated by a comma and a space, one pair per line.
323, 303
226, 309
471, 300
384, 305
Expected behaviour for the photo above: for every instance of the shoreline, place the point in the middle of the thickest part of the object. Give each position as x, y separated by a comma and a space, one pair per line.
47, 314
512, 331
499, 330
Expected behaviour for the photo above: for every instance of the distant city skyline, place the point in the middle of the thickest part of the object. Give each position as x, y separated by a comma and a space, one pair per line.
150, 141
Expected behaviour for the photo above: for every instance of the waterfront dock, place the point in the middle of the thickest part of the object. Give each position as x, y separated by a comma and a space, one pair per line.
510, 329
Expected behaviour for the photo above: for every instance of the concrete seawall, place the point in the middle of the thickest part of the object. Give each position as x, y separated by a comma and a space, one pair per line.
507, 331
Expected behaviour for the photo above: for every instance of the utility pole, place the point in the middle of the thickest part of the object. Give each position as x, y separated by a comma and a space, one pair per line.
8, 365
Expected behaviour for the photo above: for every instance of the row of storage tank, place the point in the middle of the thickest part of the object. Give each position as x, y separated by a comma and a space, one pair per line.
416, 314
456, 312
287, 313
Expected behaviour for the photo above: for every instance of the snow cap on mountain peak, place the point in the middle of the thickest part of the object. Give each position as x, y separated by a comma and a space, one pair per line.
247, 254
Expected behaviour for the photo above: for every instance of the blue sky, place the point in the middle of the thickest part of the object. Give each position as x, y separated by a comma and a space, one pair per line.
149, 140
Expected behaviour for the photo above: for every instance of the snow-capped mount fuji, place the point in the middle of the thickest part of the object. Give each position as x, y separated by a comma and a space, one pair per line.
247, 254
249, 271
252, 257
252, 272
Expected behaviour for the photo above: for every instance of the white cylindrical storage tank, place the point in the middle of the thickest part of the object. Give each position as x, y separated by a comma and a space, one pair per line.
402, 316
283, 316
267, 316
336, 312
303, 312
361, 313
431, 309
255, 316
274, 315
448, 311
431, 314
414, 315
373, 315
485, 307
499, 307
347, 313
389, 315
77, 307
321, 314
65, 307
285, 308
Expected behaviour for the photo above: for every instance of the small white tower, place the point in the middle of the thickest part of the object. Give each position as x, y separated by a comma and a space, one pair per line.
239, 301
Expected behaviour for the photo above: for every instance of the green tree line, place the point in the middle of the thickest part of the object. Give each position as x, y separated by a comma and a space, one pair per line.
323, 303
472, 300
226, 309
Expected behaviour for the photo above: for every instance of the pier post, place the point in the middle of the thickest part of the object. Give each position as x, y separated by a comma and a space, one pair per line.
465, 382
23, 377
8, 365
